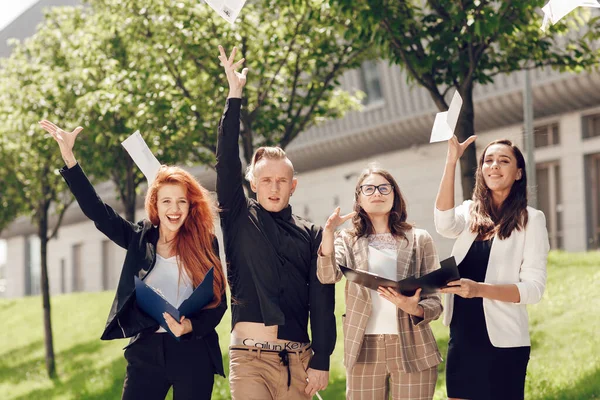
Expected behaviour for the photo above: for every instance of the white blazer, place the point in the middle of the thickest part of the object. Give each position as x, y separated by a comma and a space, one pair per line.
520, 259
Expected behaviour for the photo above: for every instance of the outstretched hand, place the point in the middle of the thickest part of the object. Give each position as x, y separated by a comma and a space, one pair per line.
65, 140
236, 80
336, 219
457, 149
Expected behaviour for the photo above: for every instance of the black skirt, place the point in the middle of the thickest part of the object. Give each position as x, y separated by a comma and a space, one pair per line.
475, 369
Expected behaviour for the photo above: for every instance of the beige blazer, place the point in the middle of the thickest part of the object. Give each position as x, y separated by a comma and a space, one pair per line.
418, 348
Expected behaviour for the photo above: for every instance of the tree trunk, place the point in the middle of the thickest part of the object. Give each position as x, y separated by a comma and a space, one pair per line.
45, 289
464, 129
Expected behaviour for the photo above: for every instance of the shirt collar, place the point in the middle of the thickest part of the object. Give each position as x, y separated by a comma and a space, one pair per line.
284, 214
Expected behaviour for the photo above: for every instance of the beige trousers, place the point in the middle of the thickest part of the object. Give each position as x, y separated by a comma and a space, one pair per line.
256, 374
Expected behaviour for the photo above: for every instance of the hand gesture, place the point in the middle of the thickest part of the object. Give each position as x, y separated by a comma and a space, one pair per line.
65, 140
465, 288
408, 304
236, 80
178, 328
317, 380
456, 149
336, 220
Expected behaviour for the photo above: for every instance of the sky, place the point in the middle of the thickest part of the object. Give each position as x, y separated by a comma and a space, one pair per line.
11, 9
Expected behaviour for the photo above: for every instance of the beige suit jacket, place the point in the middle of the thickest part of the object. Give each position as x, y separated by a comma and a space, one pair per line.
418, 257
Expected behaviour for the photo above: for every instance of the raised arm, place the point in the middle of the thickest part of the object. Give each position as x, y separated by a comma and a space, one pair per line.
445, 222
330, 256
107, 220
230, 190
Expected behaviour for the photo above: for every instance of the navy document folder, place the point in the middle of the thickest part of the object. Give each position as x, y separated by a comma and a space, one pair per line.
154, 304
429, 283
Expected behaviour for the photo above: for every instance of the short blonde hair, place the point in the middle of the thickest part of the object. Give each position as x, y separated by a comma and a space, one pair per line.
268, 152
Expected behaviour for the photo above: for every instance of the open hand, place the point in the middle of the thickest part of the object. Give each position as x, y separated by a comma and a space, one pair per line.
336, 220
236, 80
65, 140
456, 149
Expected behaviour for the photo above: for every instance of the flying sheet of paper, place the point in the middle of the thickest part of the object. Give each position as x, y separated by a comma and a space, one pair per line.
142, 156
445, 122
228, 9
555, 10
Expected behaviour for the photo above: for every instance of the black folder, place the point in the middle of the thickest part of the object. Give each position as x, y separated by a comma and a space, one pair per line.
154, 304
429, 283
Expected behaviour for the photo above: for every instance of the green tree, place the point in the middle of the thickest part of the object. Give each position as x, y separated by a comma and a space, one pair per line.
451, 44
296, 52
115, 67
34, 85
10, 188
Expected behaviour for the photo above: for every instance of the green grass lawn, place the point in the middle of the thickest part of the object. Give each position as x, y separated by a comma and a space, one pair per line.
565, 330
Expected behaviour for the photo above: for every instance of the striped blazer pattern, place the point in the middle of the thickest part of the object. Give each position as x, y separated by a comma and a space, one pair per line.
416, 256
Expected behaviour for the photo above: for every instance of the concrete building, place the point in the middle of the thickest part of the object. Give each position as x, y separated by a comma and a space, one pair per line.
393, 129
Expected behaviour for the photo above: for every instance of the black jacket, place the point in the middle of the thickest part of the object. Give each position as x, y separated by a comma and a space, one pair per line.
125, 318
272, 257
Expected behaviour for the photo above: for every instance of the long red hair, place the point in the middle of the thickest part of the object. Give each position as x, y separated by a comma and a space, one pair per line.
193, 243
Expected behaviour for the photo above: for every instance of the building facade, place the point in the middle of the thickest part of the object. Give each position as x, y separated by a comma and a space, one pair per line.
393, 130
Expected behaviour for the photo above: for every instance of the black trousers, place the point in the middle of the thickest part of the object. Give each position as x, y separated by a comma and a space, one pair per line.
158, 361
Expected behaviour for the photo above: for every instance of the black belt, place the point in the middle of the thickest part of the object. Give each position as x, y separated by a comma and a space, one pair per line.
283, 357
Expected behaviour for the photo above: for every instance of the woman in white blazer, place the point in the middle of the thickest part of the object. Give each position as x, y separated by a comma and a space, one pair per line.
501, 249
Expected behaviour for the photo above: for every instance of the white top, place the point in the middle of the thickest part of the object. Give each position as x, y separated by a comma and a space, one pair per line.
519, 259
383, 256
165, 278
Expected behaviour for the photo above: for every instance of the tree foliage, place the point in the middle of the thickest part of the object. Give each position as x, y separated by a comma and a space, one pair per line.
447, 45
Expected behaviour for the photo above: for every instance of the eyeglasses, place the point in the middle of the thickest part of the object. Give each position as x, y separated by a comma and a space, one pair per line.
369, 190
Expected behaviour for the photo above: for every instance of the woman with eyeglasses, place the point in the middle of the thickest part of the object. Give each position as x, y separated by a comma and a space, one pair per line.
388, 343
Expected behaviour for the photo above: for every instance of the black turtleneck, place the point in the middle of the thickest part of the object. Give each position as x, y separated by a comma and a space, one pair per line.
271, 257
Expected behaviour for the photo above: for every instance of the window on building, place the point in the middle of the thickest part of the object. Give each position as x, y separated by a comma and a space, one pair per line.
371, 82
549, 200
106, 263
546, 135
591, 126
77, 268
592, 177
33, 264
63, 277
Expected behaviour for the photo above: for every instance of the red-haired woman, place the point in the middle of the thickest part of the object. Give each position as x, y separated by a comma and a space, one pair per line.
171, 251
501, 249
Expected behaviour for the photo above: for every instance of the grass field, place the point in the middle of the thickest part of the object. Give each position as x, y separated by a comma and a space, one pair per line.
565, 330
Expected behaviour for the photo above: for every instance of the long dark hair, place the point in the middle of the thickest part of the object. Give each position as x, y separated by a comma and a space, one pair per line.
487, 219
397, 219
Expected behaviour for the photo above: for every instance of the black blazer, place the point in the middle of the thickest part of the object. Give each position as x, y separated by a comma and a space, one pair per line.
126, 319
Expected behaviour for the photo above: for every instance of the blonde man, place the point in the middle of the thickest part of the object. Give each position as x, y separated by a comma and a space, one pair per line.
272, 262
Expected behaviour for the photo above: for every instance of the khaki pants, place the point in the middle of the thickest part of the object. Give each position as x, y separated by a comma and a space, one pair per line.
378, 360
256, 374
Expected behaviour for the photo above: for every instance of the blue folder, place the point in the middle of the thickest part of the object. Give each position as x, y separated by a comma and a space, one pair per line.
154, 304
